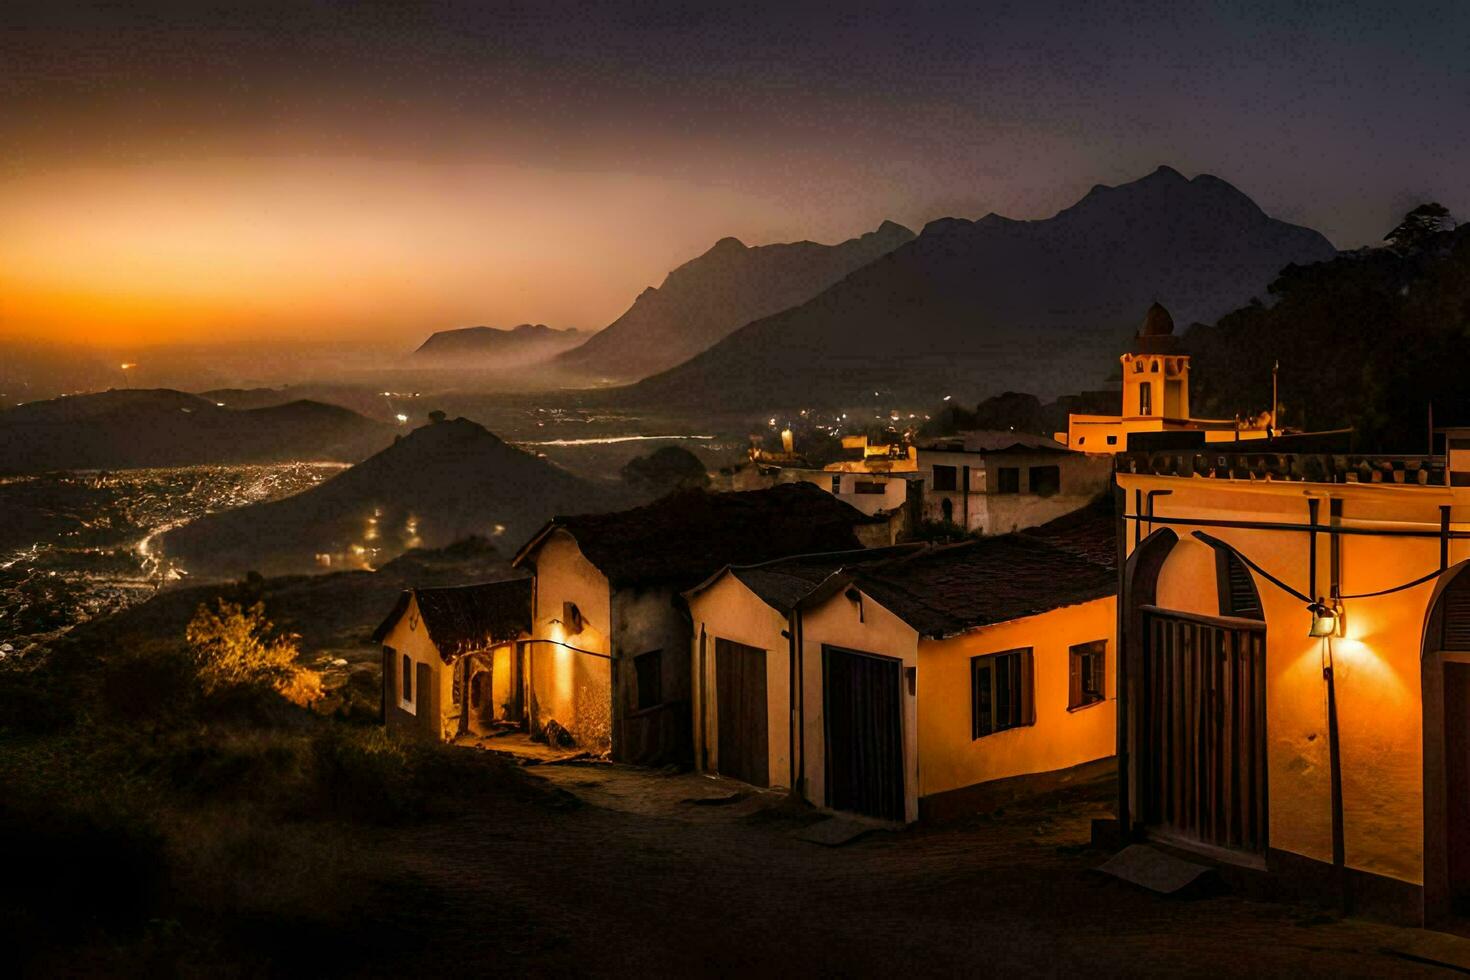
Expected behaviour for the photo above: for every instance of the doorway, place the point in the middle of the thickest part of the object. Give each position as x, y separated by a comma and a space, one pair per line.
740, 695
862, 695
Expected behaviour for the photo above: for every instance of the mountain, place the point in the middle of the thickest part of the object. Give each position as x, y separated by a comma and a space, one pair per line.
135, 427
438, 484
495, 347
977, 307
706, 298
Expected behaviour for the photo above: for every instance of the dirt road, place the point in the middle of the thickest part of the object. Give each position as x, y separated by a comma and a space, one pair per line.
633, 878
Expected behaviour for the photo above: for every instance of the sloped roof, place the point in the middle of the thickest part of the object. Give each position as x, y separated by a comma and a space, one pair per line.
992, 441
783, 583
465, 618
945, 591
685, 537
1091, 532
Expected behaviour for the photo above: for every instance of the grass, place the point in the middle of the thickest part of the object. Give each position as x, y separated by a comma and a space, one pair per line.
149, 827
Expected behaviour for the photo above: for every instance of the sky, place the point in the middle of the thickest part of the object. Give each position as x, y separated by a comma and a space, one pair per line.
199, 173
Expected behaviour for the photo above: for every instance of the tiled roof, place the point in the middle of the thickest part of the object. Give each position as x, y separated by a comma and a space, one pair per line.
1091, 532
945, 591
687, 536
992, 441
466, 618
784, 583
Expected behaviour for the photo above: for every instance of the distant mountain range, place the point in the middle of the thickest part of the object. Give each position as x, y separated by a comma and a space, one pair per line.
706, 298
977, 307
135, 427
495, 347
438, 484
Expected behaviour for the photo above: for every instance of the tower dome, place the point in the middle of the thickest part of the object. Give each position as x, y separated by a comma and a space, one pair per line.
1157, 322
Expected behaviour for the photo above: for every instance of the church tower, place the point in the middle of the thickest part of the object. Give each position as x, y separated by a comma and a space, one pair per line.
1156, 371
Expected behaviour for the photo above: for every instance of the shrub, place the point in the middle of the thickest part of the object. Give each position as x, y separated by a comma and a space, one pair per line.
233, 647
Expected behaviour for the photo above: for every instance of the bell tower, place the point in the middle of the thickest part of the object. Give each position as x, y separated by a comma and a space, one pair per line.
1156, 371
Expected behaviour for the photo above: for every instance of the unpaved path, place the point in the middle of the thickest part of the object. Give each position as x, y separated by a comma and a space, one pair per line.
635, 880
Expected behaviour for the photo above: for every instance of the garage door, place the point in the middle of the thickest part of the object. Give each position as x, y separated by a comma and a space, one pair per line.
863, 699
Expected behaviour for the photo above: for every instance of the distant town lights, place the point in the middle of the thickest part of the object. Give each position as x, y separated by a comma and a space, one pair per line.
401, 418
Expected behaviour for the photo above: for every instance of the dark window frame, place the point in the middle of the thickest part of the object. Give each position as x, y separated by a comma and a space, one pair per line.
1087, 667
1002, 692
951, 481
869, 487
1046, 470
405, 681
1008, 479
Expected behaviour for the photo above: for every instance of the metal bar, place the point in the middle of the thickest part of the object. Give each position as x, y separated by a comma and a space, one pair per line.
1298, 528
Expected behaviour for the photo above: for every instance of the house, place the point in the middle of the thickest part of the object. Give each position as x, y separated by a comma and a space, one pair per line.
452, 658
1155, 397
1294, 684
922, 683
745, 621
998, 482
607, 657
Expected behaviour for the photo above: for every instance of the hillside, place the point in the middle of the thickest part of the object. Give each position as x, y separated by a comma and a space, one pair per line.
976, 307
128, 428
706, 298
436, 485
494, 347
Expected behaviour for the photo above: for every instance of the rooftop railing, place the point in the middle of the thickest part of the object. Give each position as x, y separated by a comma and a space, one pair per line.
1302, 467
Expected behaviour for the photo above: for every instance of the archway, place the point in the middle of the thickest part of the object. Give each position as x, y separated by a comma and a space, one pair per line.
1445, 690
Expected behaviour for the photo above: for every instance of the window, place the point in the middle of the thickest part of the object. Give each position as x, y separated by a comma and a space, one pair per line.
1000, 692
405, 689
1089, 674
946, 478
1081, 440
649, 668
1145, 399
1046, 480
868, 486
836, 484
1112, 440
1237, 590
1008, 479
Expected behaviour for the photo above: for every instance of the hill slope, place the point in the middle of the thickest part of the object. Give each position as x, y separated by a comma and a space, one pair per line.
706, 298
975, 307
436, 485
129, 428
495, 347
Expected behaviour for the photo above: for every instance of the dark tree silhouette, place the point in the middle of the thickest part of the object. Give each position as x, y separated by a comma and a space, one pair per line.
664, 471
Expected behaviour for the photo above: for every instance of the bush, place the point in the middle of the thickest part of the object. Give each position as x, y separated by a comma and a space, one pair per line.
34, 702
363, 774
157, 684
233, 647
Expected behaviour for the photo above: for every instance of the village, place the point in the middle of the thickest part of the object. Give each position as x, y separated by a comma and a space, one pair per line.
1256, 642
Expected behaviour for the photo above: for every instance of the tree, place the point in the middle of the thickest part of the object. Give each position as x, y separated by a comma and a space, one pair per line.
233, 646
664, 471
1419, 227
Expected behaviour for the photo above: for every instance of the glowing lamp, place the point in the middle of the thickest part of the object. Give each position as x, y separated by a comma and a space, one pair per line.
1324, 619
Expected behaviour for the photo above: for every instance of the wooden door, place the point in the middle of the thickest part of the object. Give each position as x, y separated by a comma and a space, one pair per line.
863, 698
740, 694
1205, 730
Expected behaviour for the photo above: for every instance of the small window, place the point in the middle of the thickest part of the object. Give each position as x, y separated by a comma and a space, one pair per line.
1145, 399
1046, 480
1112, 440
406, 687
649, 668
1000, 692
1081, 440
1154, 367
1237, 589
836, 484
1008, 479
868, 486
946, 478
1089, 674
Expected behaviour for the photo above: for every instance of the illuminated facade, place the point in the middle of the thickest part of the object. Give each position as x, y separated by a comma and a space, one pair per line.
1329, 746
1155, 397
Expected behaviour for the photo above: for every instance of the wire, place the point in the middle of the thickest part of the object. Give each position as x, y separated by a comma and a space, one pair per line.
1215, 542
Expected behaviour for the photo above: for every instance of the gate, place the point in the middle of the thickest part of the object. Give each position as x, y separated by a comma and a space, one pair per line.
740, 692
1205, 729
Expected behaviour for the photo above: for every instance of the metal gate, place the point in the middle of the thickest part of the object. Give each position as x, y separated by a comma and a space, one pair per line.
1205, 729
862, 694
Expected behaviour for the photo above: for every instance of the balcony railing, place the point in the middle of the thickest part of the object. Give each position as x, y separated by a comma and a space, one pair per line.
1302, 467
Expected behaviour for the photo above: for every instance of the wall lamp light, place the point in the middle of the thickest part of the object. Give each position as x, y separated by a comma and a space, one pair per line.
1326, 620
